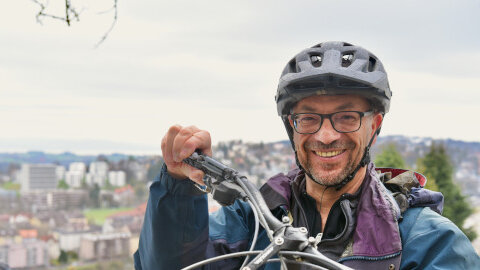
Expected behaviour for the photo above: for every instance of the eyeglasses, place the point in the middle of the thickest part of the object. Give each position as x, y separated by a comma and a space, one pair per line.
343, 122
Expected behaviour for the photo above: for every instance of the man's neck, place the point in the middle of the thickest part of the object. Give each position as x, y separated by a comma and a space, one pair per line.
327, 196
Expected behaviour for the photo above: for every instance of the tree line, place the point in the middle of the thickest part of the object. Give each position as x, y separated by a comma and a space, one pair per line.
437, 167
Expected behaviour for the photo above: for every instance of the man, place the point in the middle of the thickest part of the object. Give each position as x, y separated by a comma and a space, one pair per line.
332, 99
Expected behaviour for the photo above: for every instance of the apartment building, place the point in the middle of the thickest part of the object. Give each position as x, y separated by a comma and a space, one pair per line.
38, 177
97, 173
76, 174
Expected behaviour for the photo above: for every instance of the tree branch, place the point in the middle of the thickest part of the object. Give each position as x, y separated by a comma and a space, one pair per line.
115, 11
69, 10
71, 13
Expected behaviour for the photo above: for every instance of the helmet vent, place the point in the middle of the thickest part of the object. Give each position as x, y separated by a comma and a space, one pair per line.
351, 84
346, 44
318, 45
292, 66
347, 59
371, 64
316, 60
306, 85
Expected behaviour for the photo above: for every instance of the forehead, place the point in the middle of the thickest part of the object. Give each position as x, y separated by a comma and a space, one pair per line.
327, 104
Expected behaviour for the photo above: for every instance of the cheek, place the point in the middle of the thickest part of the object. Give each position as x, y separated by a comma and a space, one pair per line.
296, 139
299, 141
356, 139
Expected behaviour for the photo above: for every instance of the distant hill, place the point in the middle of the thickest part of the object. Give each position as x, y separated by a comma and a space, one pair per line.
61, 159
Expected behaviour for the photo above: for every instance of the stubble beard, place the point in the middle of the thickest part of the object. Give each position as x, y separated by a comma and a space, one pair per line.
317, 171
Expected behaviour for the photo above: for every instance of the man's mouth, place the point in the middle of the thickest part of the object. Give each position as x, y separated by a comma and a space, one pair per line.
329, 153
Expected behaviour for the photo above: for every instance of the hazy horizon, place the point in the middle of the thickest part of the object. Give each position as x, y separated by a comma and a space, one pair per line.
96, 147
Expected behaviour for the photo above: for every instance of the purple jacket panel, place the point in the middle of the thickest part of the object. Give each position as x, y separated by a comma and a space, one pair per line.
377, 232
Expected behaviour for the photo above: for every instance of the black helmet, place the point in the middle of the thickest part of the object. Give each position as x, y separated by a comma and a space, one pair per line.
333, 68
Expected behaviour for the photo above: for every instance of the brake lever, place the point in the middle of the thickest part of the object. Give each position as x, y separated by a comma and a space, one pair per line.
220, 180
210, 166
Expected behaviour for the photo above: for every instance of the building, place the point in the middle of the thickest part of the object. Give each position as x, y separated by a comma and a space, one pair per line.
77, 167
128, 222
137, 170
124, 196
54, 200
70, 235
60, 171
117, 178
38, 177
100, 246
74, 179
97, 173
32, 254
75, 174
8, 200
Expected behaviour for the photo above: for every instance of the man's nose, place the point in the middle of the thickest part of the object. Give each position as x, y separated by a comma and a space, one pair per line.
327, 134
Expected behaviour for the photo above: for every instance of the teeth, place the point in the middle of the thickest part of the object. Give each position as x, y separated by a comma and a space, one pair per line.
329, 154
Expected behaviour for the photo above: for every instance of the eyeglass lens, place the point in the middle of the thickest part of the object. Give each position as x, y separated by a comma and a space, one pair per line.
348, 121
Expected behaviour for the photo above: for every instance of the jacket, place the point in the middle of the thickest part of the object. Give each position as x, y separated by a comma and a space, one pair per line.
382, 229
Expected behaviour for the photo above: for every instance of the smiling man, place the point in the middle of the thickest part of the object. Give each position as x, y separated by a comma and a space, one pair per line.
332, 99
329, 141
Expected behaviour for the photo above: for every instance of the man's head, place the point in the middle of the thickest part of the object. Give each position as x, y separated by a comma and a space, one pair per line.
325, 79
331, 134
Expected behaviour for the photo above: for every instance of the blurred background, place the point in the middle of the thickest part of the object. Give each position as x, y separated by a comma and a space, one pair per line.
88, 88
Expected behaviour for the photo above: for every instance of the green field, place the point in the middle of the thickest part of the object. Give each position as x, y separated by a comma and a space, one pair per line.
99, 215
11, 186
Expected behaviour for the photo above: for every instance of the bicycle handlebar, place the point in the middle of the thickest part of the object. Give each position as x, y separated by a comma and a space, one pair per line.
227, 185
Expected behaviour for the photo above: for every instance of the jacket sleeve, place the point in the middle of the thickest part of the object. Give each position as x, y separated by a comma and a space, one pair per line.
431, 241
175, 230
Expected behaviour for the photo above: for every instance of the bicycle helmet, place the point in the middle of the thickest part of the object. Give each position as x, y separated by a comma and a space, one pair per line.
333, 68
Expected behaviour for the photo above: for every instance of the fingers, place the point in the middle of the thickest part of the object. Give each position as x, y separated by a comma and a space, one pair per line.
188, 140
178, 144
167, 144
193, 174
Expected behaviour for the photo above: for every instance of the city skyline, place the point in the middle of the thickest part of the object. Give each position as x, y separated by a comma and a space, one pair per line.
216, 66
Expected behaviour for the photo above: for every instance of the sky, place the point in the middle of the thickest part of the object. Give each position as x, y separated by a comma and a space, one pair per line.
215, 64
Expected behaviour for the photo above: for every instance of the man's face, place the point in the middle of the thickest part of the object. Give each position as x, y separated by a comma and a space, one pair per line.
330, 156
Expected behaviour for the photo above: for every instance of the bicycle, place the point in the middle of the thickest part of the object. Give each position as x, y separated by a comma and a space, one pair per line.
291, 244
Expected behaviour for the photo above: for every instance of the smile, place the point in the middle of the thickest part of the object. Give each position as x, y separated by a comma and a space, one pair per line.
329, 154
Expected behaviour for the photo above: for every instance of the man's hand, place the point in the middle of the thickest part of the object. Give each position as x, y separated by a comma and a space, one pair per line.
178, 144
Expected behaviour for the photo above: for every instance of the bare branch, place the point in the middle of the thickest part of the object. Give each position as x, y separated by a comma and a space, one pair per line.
108, 10
67, 7
115, 10
69, 10
72, 14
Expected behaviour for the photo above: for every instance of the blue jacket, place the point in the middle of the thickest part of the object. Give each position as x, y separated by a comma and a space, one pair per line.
178, 231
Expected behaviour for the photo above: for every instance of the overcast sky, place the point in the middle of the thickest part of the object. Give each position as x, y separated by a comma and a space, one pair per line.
216, 64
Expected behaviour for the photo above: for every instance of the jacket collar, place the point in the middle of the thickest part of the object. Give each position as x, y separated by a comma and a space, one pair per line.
377, 233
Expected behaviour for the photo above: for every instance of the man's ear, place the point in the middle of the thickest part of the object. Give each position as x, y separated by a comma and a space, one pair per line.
290, 121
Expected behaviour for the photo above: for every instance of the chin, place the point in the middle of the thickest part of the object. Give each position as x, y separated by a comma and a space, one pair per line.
328, 178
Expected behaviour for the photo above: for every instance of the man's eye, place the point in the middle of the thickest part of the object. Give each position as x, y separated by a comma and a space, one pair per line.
347, 117
307, 120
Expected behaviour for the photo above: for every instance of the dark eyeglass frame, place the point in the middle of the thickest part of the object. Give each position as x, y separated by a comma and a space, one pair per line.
294, 116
